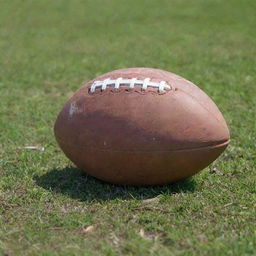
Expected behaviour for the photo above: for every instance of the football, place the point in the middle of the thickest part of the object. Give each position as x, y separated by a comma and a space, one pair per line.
141, 126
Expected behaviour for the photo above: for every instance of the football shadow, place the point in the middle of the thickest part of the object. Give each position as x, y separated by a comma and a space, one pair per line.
76, 184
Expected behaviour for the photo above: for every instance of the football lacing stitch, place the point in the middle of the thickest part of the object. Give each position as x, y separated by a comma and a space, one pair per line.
131, 82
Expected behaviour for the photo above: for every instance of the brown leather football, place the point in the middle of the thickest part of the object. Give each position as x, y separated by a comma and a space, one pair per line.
141, 126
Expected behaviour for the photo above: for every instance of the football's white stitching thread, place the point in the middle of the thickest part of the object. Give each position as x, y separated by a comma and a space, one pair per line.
131, 82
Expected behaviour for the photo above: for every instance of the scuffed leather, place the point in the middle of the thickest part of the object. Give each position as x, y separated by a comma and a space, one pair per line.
142, 137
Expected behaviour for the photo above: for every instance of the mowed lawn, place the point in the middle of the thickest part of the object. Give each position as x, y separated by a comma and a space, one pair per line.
48, 49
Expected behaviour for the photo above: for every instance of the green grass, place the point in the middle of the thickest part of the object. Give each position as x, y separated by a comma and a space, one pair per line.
47, 50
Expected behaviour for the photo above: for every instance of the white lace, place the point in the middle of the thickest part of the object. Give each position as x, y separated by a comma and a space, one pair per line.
131, 82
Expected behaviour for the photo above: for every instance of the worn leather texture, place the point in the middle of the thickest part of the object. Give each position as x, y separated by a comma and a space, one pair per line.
142, 137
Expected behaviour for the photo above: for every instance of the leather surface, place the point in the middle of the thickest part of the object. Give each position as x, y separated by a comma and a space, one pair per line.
110, 134
142, 168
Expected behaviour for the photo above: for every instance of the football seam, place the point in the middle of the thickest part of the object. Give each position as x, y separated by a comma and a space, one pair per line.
195, 99
225, 143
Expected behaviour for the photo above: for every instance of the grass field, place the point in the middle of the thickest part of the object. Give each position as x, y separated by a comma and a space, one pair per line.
47, 50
